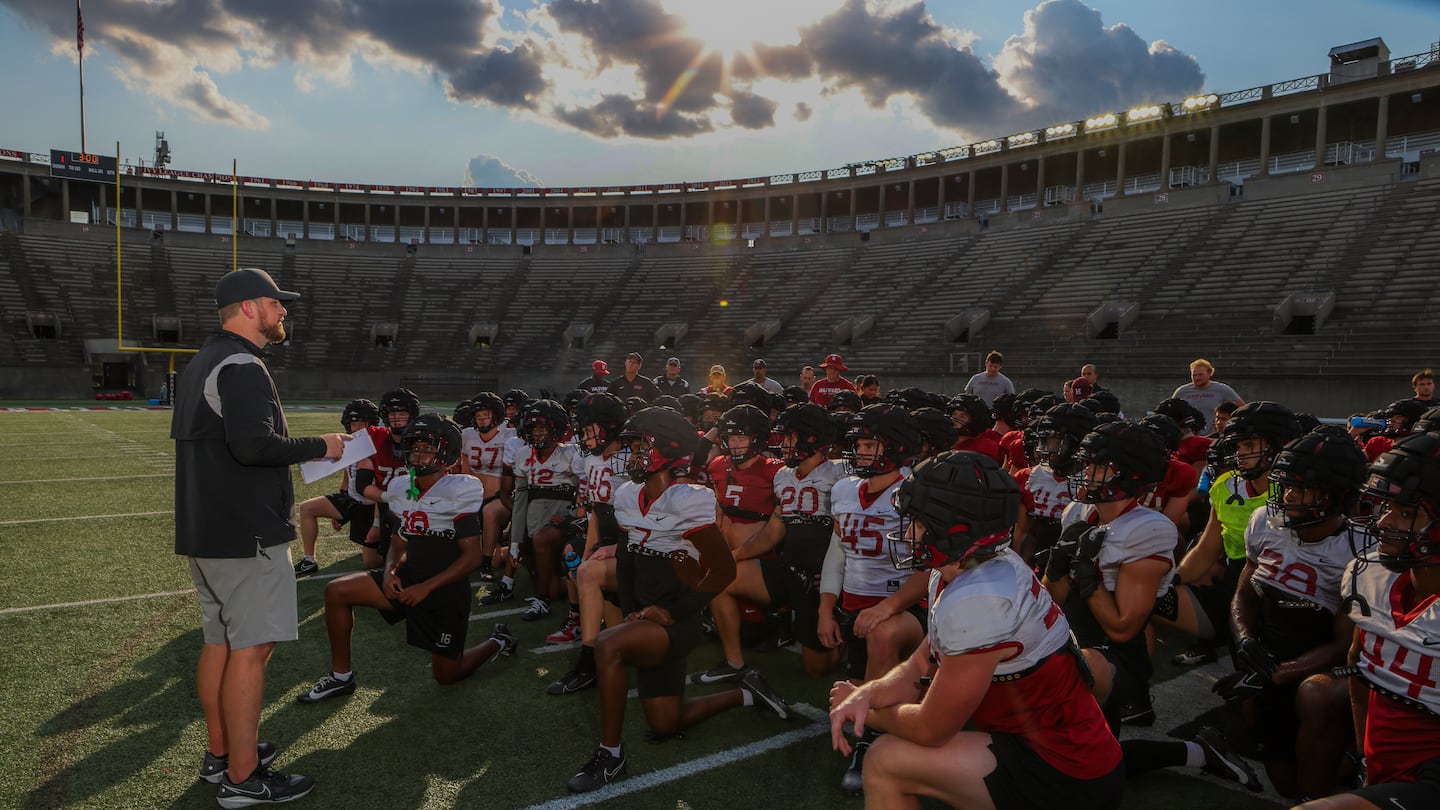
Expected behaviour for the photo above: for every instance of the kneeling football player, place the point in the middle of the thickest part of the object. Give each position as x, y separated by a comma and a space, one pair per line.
435, 544
672, 562
998, 657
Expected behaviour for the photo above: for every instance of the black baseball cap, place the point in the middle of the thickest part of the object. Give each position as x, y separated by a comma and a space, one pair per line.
246, 284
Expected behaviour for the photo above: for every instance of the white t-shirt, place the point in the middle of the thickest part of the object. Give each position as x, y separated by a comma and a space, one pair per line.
988, 388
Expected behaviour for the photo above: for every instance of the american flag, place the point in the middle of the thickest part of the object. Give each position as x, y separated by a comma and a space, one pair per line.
79, 28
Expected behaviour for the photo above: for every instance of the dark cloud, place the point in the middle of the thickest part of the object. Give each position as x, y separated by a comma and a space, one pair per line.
488, 171
512, 78
905, 52
617, 115
752, 112
803, 111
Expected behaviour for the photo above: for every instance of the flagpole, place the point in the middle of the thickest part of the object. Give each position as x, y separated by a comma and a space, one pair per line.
80, 51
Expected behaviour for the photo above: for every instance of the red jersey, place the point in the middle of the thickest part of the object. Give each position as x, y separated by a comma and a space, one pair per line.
389, 458
1378, 446
745, 495
1180, 480
981, 444
1193, 449
1012, 445
824, 390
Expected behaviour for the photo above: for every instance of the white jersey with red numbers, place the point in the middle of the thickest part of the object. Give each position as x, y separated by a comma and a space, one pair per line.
602, 477
514, 450
555, 470
432, 521
661, 526
1400, 654
487, 456
868, 526
1000, 605
1045, 494
1308, 571
1140, 533
809, 495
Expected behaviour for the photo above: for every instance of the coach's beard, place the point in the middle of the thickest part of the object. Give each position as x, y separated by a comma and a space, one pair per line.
275, 334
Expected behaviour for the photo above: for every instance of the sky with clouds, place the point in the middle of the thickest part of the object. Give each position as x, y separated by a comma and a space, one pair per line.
591, 92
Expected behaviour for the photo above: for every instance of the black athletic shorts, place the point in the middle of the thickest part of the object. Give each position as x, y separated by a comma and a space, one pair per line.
668, 679
436, 625
359, 516
787, 587
1424, 792
1131, 684
856, 654
1023, 780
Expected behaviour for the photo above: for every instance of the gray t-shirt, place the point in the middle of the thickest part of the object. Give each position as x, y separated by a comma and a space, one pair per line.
773, 386
1207, 398
987, 387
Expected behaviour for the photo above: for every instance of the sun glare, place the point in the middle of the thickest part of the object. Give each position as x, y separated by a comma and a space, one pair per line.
735, 26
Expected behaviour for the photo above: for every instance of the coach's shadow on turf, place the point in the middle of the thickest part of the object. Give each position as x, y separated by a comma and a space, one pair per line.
143, 710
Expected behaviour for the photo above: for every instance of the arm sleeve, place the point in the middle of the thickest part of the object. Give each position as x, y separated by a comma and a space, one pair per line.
832, 572
248, 412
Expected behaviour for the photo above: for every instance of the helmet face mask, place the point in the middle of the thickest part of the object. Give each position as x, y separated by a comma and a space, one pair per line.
660, 441
744, 431
868, 458
362, 412
1251, 457
431, 445
1314, 479
1296, 506
1404, 483
1118, 461
400, 407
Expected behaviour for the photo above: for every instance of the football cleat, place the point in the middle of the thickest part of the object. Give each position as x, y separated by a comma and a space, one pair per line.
602, 769
1138, 713
853, 782
212, 768
263, 787
496, 595
1194, 656
719, 673
538, 609
328, 687
570, 632
306, 567
1222, 761
754, 683
571, 682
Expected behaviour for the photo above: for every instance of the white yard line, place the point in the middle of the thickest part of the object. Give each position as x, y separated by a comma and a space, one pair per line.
96, 478
719, 759
84, 517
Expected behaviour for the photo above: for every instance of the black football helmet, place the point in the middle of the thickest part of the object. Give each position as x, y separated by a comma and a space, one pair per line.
806, 429
360, 410
750, 393
488, 411
432, 435
795, 395
1187, 416
1134, 457
744, 420
544, 424
1057, 434
846, 401
1429, 422
1401, 416
936, 429
964, 504
712, 407
573, 399
1003, 409
895, 431
1024, 407
1166, 428
515, 400
667, 401
1101, 401
1271, 422
690, 406
1403, 479
666, 442
1324, 461
398, 401
913, 399
634, 405
970, 414
606, 414
465, 414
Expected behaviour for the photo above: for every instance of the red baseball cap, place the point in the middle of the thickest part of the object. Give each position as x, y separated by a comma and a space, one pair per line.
1081, 388
834, 361
600, 366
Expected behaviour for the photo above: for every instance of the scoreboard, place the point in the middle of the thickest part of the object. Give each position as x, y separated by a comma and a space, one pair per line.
82, 166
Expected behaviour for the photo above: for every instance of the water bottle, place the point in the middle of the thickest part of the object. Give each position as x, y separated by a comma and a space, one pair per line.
1369, 422
572, 561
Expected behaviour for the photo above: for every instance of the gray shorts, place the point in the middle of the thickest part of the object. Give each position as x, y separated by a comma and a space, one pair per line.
249, 601
517, 526
539, 511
